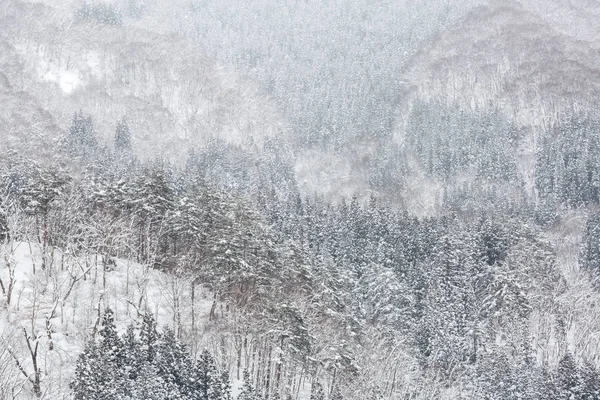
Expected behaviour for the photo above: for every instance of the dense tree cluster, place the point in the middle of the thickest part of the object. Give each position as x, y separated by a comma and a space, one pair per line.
145, 364
328, 98
568, 167
103, 13
307, 288
450, 141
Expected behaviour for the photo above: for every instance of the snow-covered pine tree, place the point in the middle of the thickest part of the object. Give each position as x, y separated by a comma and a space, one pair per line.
590, 379
207, 378
99, 372
122, 137
316, 392
173, 362
81, 138
4, 231
111, 345
148, 338
154, 367
248, 392
43, 186
225, 386
568, 379
90, 376
336, 393
590, 258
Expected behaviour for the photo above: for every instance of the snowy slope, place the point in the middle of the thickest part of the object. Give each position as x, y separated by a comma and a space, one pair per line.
69, 294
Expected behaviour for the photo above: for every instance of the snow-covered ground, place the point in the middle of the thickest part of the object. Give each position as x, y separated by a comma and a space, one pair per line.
58, 307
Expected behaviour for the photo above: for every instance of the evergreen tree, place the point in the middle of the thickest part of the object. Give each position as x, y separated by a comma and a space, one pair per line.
111, 345
148, 337
248, 392
316, 392
123, 137
104, 13
207, 378
225, 386
81, 138
133, 359
590, 379
173, 362
99, 371
37, 196
568, 380
4, 231
336, 393
591, 246
155, 367
87, 373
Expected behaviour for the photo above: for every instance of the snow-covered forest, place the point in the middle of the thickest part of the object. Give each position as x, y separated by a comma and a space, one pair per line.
299, 199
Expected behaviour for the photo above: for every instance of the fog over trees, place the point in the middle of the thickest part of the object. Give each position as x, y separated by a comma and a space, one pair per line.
299, 199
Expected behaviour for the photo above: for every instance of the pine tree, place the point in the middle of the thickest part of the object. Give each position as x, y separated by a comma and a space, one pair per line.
568, 381
99, 372
208, 380
173, 362
316, 392
336, 393
131, 352
591, 246
148, 338
155, 367
4, 231
88, 375
150, 385
43, 187
123, 137
102, 13
82, 135
225, 386
590, 379
248, 392
111, 345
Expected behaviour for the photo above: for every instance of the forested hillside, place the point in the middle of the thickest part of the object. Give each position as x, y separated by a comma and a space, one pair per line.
298, 200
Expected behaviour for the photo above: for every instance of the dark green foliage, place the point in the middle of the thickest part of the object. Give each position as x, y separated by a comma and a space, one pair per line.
99, 368
148, 338
570, 381
509, 372
225, 386
207, 378
546, 214
89, 374
494, 242
387, 169
294, 329
111, 346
